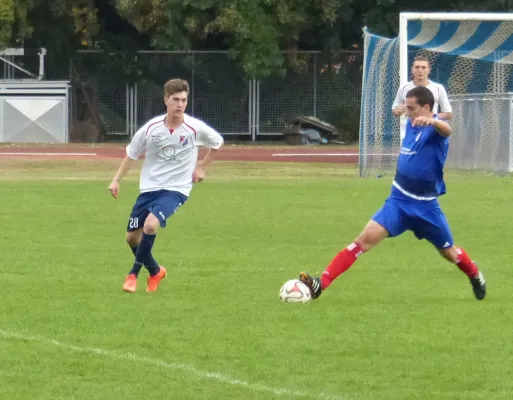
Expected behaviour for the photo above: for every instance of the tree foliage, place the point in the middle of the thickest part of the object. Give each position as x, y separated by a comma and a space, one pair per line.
6, 21
255, 32
34, 21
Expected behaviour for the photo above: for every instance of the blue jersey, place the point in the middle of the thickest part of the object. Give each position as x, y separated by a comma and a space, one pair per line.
418, 182
420, 165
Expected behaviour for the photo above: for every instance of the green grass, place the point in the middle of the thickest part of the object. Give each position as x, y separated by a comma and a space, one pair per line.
401, 324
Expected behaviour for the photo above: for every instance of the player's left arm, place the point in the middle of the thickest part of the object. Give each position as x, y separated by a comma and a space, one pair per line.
445, 105
207, 137
441, 127
207, 160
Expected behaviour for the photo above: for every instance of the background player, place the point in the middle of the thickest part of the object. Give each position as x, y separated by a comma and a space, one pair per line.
412, 204
420, 70
170, 144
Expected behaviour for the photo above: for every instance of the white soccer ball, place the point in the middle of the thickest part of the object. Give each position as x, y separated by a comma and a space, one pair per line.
295, 291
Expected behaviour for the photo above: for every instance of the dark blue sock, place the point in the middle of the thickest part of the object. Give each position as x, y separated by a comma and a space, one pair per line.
144, 256
137, 267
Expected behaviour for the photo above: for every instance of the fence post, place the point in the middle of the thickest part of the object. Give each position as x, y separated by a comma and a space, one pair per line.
193, 72
128, 101
315, 86
251, 109
257, 109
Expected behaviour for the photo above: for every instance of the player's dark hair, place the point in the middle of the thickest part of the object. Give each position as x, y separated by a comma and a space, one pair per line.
423, 95
175, 86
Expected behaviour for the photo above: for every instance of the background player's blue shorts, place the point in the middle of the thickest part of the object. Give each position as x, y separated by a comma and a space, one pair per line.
161, 203
424, 218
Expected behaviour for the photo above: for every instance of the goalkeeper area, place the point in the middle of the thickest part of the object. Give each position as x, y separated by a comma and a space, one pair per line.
471, 54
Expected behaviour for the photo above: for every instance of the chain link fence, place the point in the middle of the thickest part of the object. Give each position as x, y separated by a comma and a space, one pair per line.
118, 93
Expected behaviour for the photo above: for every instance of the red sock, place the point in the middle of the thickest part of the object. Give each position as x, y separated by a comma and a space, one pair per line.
340, 264
465, 264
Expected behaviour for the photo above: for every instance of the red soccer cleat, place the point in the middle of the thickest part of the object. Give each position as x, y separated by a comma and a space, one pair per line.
130, 283
153, 281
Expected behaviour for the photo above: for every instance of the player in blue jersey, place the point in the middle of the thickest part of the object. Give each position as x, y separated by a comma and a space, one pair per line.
412, 204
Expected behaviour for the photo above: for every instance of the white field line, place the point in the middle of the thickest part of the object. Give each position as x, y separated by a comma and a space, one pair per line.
216, 376
7, 153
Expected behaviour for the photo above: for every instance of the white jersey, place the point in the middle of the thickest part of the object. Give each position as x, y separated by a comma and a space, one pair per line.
442, 103
439, 93
171, 156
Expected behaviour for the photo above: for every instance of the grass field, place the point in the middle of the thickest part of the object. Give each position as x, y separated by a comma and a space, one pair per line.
401, 324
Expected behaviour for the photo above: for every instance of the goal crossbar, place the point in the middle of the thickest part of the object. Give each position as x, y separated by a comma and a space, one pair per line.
404, 17
457, 16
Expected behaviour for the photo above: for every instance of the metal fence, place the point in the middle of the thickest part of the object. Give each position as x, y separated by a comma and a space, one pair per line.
125, 91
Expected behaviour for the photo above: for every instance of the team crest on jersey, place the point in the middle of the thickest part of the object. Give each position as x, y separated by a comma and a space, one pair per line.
168, 153
184, 141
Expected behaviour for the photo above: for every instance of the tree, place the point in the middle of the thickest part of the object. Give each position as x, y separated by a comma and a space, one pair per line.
6, 22
23, 20
255, 32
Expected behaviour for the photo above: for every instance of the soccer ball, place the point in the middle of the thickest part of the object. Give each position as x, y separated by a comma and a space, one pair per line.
295, 291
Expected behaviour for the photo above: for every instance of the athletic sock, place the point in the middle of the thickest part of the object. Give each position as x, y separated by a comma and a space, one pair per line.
144, 256
137, 267
340, 264
465, 264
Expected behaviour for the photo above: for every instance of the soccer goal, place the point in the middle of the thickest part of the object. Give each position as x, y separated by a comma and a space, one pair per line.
471, 54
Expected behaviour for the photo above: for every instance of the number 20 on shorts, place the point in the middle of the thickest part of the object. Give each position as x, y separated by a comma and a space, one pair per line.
133, 223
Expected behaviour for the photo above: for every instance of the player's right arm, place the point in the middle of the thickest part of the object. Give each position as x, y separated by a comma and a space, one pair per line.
125, 166
134, 150
398, 108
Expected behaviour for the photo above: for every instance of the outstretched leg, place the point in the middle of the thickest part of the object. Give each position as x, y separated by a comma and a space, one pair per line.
459, 256
431, 224
372, 234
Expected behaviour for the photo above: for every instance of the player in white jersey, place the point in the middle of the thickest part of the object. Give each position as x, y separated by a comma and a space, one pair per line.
420, 70
170, 145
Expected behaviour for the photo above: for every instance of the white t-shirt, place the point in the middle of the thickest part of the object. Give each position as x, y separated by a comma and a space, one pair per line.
439, 93
171, 156
442, 103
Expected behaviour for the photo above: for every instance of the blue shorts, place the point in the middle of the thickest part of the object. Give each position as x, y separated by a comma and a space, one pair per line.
424, 218
161, 203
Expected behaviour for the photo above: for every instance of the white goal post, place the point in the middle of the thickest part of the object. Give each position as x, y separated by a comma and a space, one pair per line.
471, 54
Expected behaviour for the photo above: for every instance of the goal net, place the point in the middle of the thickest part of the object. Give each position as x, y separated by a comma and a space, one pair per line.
471, 54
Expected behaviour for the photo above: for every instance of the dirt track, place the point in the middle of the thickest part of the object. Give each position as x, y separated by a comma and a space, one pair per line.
341, 155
